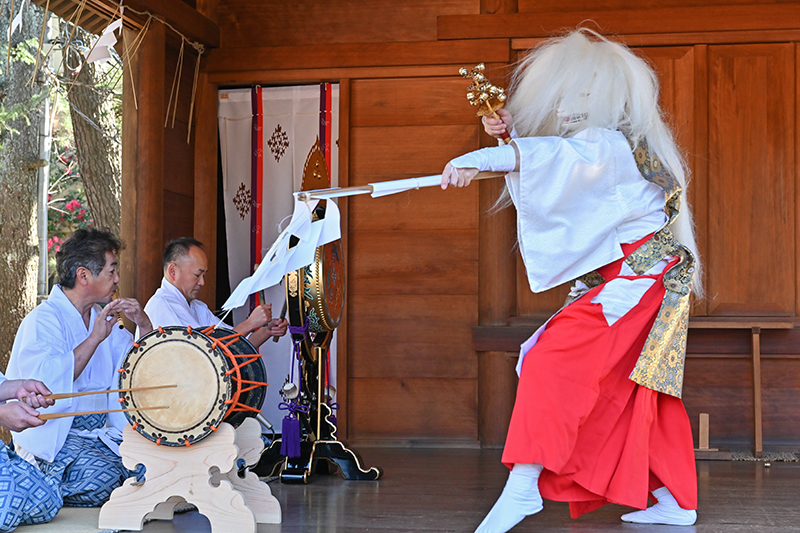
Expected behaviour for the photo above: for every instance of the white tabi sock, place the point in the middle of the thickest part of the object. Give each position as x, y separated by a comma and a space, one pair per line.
666, 511
520, 498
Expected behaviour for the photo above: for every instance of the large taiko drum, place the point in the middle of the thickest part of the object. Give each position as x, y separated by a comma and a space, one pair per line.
218, 376
316, 292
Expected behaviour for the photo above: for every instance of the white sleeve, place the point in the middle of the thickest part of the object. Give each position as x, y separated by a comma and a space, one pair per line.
568, 203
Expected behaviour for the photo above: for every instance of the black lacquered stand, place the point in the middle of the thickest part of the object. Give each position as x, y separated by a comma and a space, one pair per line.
318, 434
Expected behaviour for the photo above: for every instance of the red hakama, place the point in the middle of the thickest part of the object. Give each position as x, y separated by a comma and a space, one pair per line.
601, 437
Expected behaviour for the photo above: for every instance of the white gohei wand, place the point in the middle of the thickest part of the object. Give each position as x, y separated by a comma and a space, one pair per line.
385, 188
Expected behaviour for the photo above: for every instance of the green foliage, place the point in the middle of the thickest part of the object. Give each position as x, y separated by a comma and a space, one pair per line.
24, 51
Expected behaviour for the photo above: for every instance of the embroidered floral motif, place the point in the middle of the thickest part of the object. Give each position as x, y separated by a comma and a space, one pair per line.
242, 200
278, 143
660, 365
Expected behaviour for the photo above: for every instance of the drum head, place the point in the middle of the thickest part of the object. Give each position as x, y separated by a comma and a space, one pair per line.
187, 359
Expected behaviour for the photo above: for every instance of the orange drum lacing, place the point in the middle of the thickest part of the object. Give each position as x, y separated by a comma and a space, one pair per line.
236, 371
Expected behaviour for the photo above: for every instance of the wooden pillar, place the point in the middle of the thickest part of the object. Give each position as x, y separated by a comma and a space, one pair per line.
342, 366
497, 300
206, 180
497, 293
143, 164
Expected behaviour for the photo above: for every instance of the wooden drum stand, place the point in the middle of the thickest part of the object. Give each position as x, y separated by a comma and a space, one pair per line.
204, 474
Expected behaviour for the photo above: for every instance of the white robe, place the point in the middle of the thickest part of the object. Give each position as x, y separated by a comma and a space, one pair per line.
168, 307
578, 199
43, 350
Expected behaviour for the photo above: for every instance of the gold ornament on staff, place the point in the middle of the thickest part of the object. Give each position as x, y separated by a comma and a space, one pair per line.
481, 93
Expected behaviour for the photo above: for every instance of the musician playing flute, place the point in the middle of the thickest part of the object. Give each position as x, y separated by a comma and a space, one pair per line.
73, 344
29, 497
175, 303
596, 180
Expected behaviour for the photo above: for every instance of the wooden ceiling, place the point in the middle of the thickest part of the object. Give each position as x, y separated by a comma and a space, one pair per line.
94, 15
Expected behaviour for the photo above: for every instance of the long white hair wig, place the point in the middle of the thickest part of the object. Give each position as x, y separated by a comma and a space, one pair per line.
582, 80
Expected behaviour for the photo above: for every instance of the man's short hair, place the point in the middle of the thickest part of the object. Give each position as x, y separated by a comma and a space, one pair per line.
178, 248
86, 248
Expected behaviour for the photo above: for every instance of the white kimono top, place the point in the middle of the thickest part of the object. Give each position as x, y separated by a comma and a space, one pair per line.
168, 307
578, 199
43, 350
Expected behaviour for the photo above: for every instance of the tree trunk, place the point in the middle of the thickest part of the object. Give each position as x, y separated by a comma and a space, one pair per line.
19, 160
99, 153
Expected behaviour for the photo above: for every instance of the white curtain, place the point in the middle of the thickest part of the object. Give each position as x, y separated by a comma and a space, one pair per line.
292, 120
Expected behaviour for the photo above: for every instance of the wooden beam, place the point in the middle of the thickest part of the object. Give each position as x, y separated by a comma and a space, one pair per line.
623, 21
301, 76
357, 55
183, 18
688, 39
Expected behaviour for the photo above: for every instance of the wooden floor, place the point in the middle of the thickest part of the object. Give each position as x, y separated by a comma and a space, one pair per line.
452, 489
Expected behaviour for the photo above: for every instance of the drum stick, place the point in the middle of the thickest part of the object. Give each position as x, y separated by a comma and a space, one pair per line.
50, 416
283, 315
62, 395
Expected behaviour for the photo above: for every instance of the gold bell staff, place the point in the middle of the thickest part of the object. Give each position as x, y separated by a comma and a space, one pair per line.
50, 416
483, 94
385, 188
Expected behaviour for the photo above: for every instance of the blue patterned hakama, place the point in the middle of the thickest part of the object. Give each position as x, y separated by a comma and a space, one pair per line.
26, 495
86, 468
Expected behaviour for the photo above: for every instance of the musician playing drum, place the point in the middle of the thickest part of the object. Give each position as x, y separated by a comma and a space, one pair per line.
176, 303
73, 345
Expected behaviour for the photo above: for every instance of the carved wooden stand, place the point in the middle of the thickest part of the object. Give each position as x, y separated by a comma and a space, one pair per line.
204, 474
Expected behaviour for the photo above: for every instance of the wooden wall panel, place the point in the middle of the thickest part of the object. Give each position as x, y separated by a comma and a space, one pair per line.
276, 23
415, 210
414, 262
399, 102
397, 336
406, 151
410, 409
751, 204
412, 266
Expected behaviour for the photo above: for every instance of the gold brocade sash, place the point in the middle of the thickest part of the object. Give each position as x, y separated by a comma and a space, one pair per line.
660, 365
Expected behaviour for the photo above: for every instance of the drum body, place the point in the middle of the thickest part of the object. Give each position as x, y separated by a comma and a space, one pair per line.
219, 376
316, 292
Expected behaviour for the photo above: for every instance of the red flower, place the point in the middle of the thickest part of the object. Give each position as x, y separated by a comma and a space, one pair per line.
72, 205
